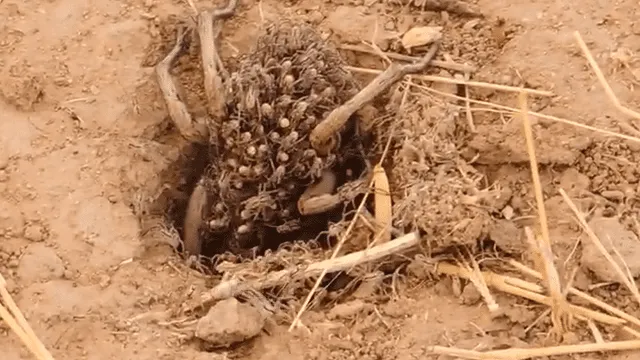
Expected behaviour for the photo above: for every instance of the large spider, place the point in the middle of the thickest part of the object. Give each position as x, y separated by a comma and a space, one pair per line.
281, 130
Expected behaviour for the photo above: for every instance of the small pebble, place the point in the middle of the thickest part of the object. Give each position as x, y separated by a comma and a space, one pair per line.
4, 159
34, 232
614, 195
251, 151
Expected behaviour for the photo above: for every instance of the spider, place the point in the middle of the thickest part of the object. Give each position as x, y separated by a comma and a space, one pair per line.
281, 129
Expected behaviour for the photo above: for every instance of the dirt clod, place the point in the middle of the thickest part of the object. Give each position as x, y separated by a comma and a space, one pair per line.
230, 322
40, 263
615, 238
508, 237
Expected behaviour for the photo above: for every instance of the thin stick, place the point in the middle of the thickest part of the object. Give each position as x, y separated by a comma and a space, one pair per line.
596, 241
521, 354
230, 288
603, 81
33, 342
459, 81
467, 106
536, 114
597, 335
559, 315
26, 339
324, 131
395, 56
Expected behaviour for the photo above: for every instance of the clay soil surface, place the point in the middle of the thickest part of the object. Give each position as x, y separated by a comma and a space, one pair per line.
83, 140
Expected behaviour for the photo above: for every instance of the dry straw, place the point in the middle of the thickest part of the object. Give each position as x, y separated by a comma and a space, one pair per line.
557, 301
14, 318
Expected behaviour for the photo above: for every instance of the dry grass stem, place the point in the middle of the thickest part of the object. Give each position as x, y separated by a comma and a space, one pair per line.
478, 281
441, 64
629, 283
467, 106
533, 113
597, 335
603, 81
394, 74
336, 250
573, 291
382, 203
459, 82
14, 318
502, 283
521, 354
559, 315
233, 287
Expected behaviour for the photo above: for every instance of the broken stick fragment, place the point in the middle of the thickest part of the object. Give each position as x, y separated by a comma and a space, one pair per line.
233, 287
322, 135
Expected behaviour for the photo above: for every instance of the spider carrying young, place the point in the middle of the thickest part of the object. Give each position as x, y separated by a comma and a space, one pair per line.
282, 130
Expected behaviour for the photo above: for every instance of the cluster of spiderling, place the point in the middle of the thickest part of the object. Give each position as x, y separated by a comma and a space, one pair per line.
281, 91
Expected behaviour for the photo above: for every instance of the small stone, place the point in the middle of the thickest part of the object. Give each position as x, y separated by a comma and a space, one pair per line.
316, 17
470, 295
229, 322
34, 232
573, 182
68, 274
507, 236
4, 158
39, 264
451, 89
613, 236
348, 310
105, 280
508, 212
11, 220
4, 176
613, 195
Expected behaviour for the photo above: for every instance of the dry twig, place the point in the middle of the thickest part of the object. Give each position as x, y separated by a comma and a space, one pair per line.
233, 287
521, 354
19, 325
559, 314
438, 63
459, 82
603, 81
328, 127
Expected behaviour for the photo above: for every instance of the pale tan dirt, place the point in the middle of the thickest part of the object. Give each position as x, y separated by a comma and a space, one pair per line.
79, 153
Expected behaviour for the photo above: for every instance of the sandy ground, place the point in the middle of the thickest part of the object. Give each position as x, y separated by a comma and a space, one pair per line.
79, 151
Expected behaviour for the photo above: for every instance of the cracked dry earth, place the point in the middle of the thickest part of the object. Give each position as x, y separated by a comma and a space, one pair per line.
80, 149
